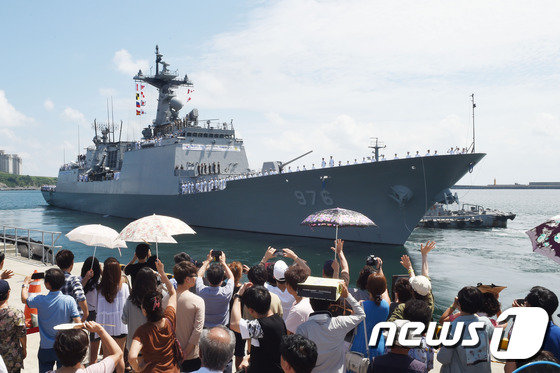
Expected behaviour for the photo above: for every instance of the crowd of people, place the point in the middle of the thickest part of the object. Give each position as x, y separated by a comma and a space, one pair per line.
205, 318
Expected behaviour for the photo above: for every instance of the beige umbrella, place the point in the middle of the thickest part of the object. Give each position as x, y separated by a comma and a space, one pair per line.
155, 228
96, 235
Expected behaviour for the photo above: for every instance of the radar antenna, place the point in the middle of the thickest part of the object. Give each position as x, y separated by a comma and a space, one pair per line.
473, 137
376, 146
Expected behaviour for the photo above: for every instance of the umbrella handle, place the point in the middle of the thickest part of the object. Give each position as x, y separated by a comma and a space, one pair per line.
335, 240
93, 259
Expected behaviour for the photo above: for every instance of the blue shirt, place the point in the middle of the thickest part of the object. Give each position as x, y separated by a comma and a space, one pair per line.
552, 340
374, 315
52, 309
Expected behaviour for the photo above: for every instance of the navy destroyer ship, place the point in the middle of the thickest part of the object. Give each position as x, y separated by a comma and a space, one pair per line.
197, 170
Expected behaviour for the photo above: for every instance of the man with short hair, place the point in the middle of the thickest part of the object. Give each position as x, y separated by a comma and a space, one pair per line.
265, 331
301, 308
542, 297
280, 289
145, 259
216, 297
216, 349
297, 354
190, 315
328, 332
52, 309
72, 284
258, 275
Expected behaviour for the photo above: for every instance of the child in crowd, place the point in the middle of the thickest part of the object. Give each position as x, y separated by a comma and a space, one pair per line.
52, 309
265, 331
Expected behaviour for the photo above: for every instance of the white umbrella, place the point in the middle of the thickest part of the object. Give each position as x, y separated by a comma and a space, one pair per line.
96, 235
155, 228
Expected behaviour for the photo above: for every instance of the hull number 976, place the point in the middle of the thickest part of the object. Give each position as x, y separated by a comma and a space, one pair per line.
310, 197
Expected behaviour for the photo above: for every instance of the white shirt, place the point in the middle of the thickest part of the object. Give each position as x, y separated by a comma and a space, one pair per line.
285, 298
299, 313
331, 162
323, 164
408, 155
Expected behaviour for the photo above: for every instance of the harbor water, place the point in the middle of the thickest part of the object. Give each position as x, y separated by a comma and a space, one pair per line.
502, 256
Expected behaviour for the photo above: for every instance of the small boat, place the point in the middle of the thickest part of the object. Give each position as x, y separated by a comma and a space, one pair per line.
468, 216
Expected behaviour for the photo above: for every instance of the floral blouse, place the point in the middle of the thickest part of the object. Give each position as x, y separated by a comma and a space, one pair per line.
12, 328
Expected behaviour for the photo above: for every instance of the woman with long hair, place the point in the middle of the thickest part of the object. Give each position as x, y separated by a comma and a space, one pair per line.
155, 341
112, 294
132, 312
377, 310
91, 272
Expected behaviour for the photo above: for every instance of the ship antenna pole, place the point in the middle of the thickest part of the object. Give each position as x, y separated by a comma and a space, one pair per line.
120, 133
112, 119
78, 125
473, 106
108, 120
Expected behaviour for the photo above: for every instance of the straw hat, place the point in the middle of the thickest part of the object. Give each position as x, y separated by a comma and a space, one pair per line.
494, 289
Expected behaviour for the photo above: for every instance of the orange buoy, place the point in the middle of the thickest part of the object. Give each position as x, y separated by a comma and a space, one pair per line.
31, 313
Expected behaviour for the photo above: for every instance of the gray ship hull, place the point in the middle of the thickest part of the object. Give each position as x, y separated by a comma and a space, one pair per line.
278, 203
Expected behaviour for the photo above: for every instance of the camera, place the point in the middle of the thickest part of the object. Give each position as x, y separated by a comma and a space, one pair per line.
372, 261
279, 252
216, 255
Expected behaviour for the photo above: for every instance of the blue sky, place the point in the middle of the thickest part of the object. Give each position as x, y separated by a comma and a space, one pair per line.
294, 76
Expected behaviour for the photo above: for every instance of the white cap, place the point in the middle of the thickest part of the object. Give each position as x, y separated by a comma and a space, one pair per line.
280, 268
421, 285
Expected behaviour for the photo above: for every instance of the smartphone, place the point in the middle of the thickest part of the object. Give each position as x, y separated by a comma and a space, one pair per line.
38, 275
279, 252
216, 255
520, 301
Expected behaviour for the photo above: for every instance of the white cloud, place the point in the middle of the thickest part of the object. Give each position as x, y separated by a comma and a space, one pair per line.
48, 104
73, 115
124, 63
9, 116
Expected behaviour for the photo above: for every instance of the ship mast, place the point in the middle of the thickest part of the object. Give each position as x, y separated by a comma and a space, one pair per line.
165, 81
473, 106
376, 147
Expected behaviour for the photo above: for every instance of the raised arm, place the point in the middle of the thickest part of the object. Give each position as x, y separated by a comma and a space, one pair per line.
448, 312
111, 348
205, 264
170, 289
236, 308
136, 362
229, 273
127, 267
385, 295
25, 290
425, 249
297, 260
407, 264
269, 254
344, 268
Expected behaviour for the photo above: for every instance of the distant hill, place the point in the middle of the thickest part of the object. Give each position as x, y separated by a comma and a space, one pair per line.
24, 181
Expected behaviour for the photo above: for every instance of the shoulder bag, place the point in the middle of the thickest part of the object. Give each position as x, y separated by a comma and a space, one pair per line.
356, 362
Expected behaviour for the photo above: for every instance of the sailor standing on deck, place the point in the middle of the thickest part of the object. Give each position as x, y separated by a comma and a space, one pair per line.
428, 153
382, 157
435, 152
396, 156
417, 154
323, 163
408, 154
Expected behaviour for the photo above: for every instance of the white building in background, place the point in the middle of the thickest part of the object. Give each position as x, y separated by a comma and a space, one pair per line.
10, 163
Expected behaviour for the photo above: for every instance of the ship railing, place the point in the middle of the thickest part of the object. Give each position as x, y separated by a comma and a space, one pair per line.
209, 185
30, 237
48, 188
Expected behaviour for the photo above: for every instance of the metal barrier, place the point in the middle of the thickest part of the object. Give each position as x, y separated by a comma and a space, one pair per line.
30, 237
